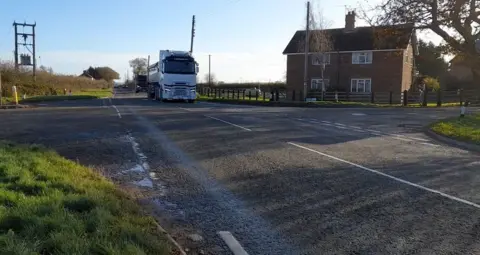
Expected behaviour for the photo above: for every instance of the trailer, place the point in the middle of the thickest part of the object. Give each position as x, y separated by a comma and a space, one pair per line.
173, 77
141, 84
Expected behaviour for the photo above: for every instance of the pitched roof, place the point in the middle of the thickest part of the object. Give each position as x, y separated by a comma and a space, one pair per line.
361, 38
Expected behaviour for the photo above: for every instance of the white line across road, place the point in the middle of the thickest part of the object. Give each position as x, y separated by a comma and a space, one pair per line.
229, 123
232, 243
388, 176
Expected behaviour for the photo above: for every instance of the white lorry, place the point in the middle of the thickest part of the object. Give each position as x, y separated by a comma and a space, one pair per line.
173, 77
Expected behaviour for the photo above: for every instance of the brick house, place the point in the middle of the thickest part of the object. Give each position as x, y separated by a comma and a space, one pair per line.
361, 59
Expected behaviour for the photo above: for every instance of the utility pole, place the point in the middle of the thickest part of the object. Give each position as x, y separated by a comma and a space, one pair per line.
148, 69
209, 74
307, 46
25, 59
1, 91
192, 35
15, 52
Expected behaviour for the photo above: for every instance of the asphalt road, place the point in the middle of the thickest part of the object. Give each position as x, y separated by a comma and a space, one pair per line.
280, 180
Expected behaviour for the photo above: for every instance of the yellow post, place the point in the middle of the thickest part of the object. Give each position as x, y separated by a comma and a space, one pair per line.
15, 95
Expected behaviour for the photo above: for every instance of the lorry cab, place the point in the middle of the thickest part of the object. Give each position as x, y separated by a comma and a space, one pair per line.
174, 77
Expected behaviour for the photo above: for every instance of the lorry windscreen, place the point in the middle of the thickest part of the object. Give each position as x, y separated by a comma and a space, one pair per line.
180, 67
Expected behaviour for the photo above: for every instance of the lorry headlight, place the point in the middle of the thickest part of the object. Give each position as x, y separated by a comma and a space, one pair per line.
166, 90
193, 91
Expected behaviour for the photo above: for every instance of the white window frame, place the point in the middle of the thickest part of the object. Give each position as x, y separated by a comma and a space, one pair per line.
325, 57
361, 58
355, 88
318, 83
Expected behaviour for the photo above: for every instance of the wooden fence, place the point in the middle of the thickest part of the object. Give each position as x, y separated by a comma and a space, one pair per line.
405, 98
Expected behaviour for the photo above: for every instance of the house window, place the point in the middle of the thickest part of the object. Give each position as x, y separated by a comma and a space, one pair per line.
361, 85
320, 84
319, 58
362, 57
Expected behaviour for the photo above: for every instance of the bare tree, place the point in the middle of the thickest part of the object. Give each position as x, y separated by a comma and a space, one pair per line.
320, 41
457, 22
138, 65
210, 78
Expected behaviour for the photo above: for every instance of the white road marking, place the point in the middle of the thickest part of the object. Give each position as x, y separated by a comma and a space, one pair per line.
401, 139
358, 114
418, 139
389, 176
186, 109
118, 112
431, 144
341, 127
339, 124
371, 130
328, 122
355, 127
229, 123
232, 243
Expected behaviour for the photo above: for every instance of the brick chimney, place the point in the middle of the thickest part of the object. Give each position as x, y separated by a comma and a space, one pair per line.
350, 20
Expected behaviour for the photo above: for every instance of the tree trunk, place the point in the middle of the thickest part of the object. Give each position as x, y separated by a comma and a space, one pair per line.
476, 84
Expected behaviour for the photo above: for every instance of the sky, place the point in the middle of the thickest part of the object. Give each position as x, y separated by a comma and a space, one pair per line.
245, 38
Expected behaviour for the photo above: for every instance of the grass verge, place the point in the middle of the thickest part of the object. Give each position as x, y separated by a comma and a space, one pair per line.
83, 94
50, 205
465, 129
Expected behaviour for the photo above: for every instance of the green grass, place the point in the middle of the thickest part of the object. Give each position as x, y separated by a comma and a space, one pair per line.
464, 129
50, 205
83, 94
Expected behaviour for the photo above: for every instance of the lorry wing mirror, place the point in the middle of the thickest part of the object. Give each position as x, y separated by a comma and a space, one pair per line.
196, 68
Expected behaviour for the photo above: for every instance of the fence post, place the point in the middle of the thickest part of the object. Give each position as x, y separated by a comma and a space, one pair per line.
439, 98
243, 94
425, 94
256, 95
238, 94
277, 96
264, 95
405, 98
461, 96
347, 96
293, 95
15, 94
249, 95
372, 97
336, 96
390, 100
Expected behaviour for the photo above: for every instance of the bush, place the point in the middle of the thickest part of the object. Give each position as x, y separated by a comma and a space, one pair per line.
431, 83
46, 83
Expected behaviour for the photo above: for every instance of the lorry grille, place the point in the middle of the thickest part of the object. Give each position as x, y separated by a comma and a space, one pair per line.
180, 92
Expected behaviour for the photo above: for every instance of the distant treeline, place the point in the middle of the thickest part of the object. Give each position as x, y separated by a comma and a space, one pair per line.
263, 86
